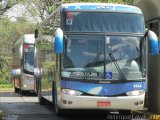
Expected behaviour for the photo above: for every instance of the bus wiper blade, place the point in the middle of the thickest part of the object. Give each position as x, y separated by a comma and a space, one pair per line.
93, 63
117, 66
95, 60
109, 51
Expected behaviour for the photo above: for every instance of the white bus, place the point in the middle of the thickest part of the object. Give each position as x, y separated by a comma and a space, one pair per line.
99, 58
23, 64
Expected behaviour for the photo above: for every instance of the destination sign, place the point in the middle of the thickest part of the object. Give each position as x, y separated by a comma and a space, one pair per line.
81, 74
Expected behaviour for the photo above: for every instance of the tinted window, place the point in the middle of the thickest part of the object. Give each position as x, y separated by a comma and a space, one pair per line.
103, 22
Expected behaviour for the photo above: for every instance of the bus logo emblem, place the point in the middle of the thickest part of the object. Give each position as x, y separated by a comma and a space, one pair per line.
108, 75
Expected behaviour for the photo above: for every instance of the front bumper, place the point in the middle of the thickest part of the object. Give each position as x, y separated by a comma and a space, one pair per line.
90, 102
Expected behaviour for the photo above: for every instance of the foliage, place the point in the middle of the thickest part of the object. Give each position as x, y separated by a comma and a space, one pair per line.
49, 65
44, 45
9, 34
10, 3
6, 85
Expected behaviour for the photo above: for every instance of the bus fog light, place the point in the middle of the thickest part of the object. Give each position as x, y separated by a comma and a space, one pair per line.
136, 103
141, 102
69, 102
135, 93
25, 86
64, 101
71, 92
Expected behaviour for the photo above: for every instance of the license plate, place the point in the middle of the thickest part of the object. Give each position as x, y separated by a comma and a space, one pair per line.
103, 103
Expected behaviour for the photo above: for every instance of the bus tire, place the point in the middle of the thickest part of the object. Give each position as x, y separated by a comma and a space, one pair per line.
57, 109
124, 112
37, 87
40, 98
22, 92
16, 90
53, 95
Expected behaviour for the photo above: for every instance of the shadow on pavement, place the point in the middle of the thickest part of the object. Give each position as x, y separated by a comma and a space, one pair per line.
13, 94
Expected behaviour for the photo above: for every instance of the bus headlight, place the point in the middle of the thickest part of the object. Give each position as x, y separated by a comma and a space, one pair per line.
135, 93
71, 92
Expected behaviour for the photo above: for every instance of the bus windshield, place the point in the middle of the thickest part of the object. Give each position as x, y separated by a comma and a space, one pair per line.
88, 56
103, 22
29, 58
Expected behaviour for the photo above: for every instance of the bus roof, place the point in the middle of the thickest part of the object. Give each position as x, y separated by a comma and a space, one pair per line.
106, 7
26, 38
29, 38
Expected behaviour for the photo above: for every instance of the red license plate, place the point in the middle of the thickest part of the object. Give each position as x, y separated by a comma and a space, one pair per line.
103, 103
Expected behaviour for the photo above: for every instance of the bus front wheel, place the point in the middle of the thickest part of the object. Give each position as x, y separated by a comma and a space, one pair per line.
57, 109
40, 98
16, 90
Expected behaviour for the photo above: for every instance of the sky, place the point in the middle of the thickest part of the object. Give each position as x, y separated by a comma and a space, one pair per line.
3, 3
20, 10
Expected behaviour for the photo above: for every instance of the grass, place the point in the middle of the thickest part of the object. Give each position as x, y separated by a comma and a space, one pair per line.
6, 87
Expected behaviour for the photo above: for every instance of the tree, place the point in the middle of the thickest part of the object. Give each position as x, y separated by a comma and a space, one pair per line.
9, 34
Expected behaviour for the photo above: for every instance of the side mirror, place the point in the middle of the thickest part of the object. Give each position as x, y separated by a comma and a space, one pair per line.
58, 43
36, 33
154, 45
16, 72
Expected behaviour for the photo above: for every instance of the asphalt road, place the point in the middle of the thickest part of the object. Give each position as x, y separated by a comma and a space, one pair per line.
17, 107
14, 106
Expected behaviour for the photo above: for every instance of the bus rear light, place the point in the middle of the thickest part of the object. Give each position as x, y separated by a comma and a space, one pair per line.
135, 93
71, 92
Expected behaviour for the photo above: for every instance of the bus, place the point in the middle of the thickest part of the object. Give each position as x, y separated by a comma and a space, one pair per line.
23, 64
99, 59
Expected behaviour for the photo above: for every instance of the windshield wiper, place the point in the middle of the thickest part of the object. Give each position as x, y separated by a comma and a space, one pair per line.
113, 59
117, 66
93, 63
95, 60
